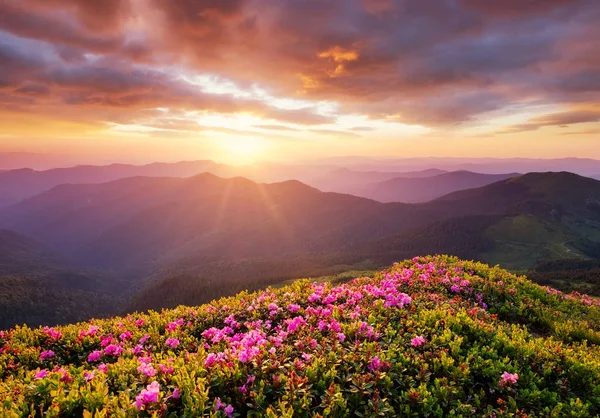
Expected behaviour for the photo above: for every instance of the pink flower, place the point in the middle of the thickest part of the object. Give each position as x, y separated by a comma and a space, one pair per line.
172, 342
418, 341
272, 307
41, 374
52, 333
113, 350
92, 330
508, 378
103, 368
125, 336
144, 339
66, 377
375, 364
147, 369
227, 409
340, 336
147, 396
176, 394
293, 308
139, 322
87, 376
94, 356
219, 405
44, 355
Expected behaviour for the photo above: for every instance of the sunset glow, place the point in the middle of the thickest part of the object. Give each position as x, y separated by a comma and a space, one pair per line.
244, 80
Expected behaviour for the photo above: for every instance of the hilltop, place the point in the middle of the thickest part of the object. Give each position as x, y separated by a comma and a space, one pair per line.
431, 336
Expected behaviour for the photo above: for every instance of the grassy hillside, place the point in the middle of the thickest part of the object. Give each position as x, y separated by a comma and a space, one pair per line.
432, 336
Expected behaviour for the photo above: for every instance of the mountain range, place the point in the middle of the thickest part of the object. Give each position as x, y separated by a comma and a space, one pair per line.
161, 241
425, 188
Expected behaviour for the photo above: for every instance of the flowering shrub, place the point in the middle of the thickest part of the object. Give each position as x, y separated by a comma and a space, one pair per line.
431, 336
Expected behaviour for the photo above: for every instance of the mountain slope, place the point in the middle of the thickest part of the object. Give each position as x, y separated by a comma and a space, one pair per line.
39, 286
135, 221
433, 336
415, 190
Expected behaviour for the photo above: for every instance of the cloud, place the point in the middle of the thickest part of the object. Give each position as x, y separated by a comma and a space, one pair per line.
432, 62
561, 119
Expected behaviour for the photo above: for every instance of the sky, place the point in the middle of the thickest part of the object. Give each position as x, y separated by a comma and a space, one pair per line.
242, 81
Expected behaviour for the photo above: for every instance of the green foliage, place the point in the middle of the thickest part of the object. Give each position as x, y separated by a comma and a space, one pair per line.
433, 336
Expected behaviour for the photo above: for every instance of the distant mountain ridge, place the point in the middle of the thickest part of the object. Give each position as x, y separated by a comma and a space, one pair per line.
19, 184
423, 189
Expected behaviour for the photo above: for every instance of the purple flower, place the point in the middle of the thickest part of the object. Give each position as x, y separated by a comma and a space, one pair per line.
293, 308
418, 341
375, 364
94, 356
229, 411
44, 355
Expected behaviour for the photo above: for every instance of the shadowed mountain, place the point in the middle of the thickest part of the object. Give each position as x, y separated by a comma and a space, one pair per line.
38, 286
16, 185
423, 189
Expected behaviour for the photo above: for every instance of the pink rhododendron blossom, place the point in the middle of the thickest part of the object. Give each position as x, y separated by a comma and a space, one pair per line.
172, 342
103, 368
113, 350
139, 322
147, 369
125, 336
418, 341
147, 396
509, 378
94, 356
45, 355
375, 364
176, 394
52, 333
87, 376
41, 374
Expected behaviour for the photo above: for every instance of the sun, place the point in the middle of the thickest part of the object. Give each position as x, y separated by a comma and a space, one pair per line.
243, 150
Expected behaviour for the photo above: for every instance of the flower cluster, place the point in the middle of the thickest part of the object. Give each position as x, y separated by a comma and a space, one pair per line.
428, 337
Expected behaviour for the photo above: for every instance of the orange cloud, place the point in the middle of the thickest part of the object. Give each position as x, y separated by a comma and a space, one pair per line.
339, 55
